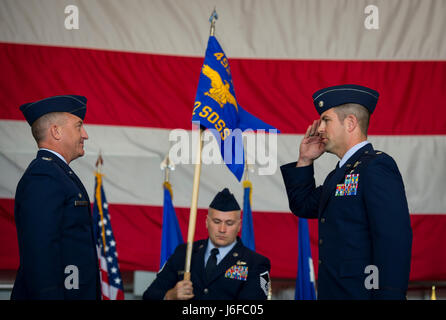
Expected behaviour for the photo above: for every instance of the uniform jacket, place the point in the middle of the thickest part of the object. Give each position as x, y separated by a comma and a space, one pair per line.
241, 275
363, 221
54, 230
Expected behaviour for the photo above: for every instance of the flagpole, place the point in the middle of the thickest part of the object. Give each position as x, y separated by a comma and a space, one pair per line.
197, 172
193, 208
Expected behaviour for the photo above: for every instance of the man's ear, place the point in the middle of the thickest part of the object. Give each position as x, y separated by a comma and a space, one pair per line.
55, 131
351, 123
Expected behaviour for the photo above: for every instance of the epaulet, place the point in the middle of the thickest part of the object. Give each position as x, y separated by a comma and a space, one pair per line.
368, 156
199, 244
40, 165
363, 161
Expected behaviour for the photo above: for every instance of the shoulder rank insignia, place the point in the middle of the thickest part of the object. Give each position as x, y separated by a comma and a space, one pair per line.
349, 187
265, 283
237, 272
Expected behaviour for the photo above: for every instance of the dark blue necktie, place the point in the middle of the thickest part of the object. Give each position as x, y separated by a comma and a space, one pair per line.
212, 262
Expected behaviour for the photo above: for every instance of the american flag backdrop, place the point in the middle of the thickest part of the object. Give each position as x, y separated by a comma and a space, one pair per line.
111, 281
138, 63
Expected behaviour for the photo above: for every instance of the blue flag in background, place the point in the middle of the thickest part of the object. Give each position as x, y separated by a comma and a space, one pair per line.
216, 108
247, 224
305, 274
171, 235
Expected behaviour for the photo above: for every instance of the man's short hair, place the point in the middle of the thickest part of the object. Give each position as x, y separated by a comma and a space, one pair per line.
360, 112
40, 127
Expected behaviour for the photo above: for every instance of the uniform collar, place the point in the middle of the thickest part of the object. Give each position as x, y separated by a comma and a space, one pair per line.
351, 152
55, 153
222, 251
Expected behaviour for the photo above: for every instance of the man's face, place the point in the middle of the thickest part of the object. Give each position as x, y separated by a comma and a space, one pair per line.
223, 227
72, 137
332, 132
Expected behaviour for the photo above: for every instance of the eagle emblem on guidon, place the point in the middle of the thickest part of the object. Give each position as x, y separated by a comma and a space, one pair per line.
219, 91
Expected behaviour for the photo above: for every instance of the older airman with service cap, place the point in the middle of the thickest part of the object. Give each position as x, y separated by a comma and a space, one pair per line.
365, 235
58, 258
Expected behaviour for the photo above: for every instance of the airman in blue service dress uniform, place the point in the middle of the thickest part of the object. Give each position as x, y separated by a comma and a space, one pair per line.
361, 207
58, 258
233, 272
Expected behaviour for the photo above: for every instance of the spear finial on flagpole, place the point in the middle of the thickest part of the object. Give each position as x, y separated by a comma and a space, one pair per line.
248, 168
99, 162
167, 166
212, 19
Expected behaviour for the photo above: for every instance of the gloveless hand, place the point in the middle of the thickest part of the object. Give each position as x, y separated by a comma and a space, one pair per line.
311, 146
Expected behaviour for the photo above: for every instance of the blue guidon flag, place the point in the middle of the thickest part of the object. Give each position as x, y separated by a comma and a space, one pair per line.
111, 281
305, 288
171, 236
216, 108
248, 238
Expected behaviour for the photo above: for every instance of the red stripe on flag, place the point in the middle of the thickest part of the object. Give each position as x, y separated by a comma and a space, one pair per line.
137, 231
148, 90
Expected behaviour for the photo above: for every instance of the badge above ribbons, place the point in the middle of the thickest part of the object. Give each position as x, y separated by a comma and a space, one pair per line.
216, 108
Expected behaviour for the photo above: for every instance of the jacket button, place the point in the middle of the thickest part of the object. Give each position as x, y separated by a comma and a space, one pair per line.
206, 291
319, 261
320, 241
322, 220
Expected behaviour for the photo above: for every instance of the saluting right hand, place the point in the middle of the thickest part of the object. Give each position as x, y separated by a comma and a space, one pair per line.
311, 146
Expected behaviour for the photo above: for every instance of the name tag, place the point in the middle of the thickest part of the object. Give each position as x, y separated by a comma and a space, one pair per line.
79, 203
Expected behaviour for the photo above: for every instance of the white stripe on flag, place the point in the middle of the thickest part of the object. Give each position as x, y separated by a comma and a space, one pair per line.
132, 157
286, 29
